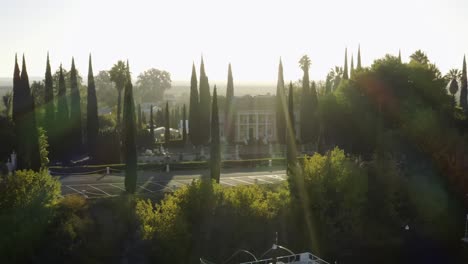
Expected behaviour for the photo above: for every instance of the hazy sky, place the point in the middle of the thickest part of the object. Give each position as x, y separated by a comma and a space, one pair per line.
252, 35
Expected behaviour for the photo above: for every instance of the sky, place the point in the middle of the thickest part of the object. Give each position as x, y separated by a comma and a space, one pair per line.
251, 35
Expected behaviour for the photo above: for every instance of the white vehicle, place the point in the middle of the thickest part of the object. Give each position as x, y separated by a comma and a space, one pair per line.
302, 258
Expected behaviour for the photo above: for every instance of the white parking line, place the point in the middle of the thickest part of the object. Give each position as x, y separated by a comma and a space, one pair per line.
99, 190
116, 186
82, 193
246, 182
223, 182
260, 179
141, 186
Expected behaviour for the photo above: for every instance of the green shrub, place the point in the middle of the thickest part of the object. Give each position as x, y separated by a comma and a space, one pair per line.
27, 204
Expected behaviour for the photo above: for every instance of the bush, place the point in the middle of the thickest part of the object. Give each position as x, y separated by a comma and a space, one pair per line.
206, 220
27, 204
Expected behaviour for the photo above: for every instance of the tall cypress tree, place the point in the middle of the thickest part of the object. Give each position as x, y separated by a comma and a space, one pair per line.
358, 66
29, 157
49, 101
229, 109
280, 106
345, 68
62, 128
167, 127
92, 113
205, 104
352, 66
75, 111
305, 101
18, 94
129, 133
215, 148
463, 90
184, 125
194, 109
152, 124
291, 135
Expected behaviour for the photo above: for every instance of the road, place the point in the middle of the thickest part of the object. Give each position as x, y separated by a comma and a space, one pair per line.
153, 183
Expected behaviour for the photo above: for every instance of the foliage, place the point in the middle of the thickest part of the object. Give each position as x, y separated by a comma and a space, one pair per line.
215, 147
186, 225
92, 119
129, 137
24, 116
229, 110
105, 89
204, 106
43, 148
280, 106
151, 85
76, 132
27, 201
7, 138
118, 75
194, 111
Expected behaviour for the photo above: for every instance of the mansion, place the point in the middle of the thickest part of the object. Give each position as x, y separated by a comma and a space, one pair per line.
254, 119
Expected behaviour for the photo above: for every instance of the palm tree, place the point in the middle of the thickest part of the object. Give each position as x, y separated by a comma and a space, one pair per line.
334, 76
304, 63
118, 75
420, 57
452, 78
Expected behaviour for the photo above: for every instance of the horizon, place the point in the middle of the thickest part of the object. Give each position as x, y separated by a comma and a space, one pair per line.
288, 31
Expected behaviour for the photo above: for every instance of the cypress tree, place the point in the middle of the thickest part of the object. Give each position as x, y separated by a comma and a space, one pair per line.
140, 118
49, 101
129, 132
291, 135
314, 122
18, 94
345, 68
184, 125
151, 124
305, 101
29, 157
358, 66
167, 127
205, 104
62, 127
215, 149
75, 111
352, 66
229, 109
463, 90
280, 106
194, 109
92, 113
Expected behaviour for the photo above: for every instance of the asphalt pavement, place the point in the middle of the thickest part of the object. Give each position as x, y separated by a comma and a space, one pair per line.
102, 185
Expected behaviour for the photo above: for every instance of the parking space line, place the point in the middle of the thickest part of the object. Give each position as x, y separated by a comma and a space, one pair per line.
260, 179
99, 189
223, 182
116, 187
141, 186
246, 182
82, 193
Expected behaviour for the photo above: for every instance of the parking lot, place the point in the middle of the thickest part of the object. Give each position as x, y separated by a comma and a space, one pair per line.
153, 186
